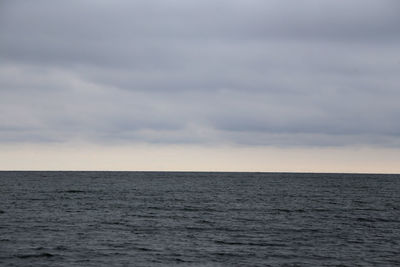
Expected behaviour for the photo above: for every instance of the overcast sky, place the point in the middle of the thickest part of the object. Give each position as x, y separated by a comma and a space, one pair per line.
253, 73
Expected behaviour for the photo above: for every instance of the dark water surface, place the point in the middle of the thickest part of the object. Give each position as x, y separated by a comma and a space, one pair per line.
198, 219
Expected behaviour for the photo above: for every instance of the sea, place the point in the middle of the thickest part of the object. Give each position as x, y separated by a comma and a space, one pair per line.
198, 219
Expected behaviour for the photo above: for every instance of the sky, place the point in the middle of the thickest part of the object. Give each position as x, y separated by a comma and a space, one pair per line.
221, 85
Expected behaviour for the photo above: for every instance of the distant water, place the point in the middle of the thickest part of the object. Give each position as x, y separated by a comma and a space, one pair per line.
198, 219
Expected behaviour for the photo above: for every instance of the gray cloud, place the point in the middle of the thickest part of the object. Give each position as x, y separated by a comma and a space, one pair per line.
253, 72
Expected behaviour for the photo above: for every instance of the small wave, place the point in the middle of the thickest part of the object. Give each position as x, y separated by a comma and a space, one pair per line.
226, 229
250, 244
376, 220
143, 249
290, 210
61, 248
204, 222
179, 260
73, 191
196, 209
194, 228
229, 254
116, 223
41, 255
229, 243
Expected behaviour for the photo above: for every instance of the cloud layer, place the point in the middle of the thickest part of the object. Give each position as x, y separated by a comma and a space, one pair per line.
282, 73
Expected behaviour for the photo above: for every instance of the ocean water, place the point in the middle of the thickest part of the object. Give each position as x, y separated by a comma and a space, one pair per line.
198, 219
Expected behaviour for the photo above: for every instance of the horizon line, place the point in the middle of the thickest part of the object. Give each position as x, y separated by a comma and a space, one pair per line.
202, 171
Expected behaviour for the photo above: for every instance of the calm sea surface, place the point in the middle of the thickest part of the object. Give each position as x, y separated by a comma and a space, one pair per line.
198, 219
